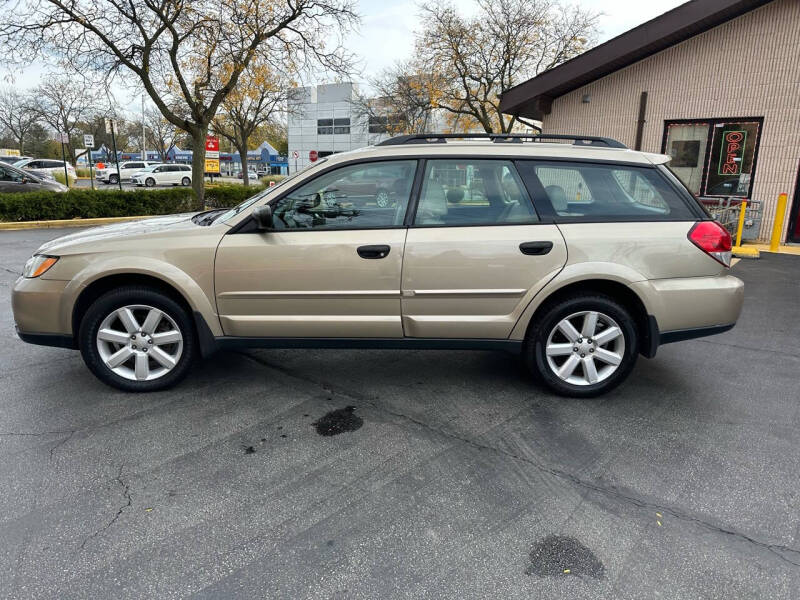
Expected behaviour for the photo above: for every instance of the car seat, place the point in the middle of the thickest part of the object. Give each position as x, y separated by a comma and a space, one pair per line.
558, 198
433, 207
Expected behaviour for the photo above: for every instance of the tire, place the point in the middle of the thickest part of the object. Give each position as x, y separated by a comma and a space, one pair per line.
186, 182
149, 182
591, 370
113, 179
137, 355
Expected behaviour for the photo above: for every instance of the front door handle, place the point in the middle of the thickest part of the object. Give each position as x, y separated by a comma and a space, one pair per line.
535, 248
378, 251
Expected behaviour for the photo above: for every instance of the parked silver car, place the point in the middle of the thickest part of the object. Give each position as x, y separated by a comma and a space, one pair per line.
14, 180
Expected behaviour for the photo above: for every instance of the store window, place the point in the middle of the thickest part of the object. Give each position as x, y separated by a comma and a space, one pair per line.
714, 157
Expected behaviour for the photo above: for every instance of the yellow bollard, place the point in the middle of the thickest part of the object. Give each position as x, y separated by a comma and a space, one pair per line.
777, 224
740, 227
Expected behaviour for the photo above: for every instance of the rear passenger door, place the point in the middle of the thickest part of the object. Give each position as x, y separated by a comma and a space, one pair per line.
476, 253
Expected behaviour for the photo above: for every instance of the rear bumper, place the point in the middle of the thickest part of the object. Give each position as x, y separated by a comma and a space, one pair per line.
680, 335
692, 303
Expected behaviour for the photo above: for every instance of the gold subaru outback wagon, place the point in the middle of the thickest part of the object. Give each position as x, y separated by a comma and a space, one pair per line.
574, 252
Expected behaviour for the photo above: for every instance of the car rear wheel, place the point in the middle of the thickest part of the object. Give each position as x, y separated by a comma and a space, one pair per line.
149, 182
583, 346
137, 339
186, 182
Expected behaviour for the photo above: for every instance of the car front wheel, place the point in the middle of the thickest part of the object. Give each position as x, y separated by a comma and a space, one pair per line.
137, 339
583, 346
113, 179
149, 182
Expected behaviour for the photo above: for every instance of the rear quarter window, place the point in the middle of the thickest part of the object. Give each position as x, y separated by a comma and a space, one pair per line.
576, 192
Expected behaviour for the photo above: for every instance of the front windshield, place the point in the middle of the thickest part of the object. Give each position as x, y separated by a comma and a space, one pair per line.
20, 163
253, 199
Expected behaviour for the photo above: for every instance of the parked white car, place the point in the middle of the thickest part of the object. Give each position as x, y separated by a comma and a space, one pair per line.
108, 174
163, 175
46, 165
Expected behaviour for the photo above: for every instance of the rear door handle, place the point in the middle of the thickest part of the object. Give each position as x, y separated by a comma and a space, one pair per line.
377, 251
535, 248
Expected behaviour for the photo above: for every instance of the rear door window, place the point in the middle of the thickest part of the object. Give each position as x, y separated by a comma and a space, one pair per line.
571, 191
463, 192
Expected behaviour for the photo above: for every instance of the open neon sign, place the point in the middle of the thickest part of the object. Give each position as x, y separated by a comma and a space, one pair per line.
732, 153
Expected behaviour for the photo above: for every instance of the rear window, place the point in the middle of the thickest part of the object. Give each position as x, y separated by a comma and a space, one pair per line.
593, 191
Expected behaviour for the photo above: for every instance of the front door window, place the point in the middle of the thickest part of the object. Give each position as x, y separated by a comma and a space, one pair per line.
714, 157
363, 196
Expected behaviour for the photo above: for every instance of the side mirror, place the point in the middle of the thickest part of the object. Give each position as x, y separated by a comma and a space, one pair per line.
263, 217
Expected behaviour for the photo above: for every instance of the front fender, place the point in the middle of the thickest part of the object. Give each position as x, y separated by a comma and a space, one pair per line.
186, 285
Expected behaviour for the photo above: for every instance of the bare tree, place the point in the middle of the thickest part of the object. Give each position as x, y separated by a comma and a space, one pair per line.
259, 96
466, 64
63, 104
163, 133
17, 115
185, 53
403, 101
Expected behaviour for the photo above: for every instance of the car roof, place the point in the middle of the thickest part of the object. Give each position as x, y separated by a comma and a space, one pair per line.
488, 149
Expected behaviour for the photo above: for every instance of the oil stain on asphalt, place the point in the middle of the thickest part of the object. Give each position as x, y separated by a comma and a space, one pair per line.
558, 556
338, 421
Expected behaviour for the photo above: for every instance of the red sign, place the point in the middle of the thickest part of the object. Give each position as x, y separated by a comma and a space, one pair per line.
313, 156
212, 143
730, 160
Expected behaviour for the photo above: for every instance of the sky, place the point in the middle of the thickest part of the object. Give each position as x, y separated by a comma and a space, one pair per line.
386, 34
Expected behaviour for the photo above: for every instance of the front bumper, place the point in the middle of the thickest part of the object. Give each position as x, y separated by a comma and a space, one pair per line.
37, 307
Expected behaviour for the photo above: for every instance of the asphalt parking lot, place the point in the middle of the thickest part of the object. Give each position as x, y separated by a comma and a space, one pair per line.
386, 474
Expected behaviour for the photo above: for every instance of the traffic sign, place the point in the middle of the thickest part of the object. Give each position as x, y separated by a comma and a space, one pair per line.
313, 156
295, 155
88, 141
111, 125
63, 138
212, 165
212, 150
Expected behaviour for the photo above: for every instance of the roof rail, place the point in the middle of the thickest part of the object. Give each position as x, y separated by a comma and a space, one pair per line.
500, 138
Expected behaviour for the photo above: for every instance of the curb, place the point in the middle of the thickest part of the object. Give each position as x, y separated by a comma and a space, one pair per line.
11, 225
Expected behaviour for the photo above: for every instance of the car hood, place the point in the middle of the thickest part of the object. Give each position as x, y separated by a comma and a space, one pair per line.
101, 236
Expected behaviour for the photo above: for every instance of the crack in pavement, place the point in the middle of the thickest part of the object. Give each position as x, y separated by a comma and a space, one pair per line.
126, 493
60, 443
611, 492
35, 433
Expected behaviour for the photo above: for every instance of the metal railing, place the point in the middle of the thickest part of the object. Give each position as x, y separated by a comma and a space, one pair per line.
727, 212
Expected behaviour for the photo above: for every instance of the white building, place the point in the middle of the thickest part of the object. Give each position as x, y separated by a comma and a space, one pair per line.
324, 119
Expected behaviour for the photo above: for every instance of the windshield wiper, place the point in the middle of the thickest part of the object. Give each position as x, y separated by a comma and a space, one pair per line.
206, 218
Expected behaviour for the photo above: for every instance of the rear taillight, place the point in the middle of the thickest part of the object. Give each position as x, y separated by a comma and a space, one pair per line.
713, 239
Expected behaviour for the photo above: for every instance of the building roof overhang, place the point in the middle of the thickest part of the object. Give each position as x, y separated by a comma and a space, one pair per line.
534, 97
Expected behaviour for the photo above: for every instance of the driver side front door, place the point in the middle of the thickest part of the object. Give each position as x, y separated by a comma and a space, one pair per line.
330, 267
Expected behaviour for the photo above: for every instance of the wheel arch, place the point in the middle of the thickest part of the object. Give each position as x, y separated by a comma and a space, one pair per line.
162, 277
613, 288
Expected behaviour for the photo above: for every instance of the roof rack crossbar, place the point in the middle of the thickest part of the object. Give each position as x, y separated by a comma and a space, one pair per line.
502, 138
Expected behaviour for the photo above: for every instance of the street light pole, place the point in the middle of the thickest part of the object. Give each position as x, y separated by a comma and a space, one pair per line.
144, 135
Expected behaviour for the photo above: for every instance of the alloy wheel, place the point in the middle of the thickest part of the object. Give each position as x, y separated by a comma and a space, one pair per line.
139, 342
585, 348
382, 199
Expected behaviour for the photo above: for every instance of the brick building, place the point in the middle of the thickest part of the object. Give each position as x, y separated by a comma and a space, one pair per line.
713, 83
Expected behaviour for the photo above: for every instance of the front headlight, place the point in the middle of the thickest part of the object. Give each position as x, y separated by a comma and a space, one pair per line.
38, 265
